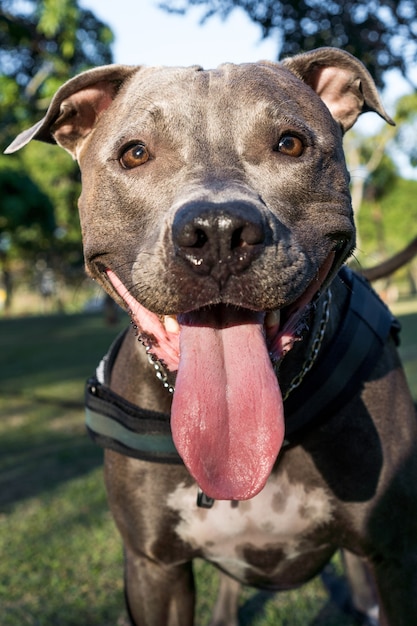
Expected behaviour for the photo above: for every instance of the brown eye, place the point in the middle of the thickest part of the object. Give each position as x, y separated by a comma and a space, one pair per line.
135, 155
290, 145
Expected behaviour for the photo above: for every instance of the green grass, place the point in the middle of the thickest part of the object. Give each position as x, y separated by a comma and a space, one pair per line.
60, 554
61, 562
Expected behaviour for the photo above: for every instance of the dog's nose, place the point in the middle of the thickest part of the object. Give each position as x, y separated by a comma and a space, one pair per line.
219, 239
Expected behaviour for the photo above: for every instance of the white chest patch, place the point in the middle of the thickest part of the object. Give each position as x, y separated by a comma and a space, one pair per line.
280, 517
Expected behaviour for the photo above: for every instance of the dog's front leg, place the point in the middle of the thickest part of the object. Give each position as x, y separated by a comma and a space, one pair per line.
157, 595
362, 587
159, 583
225, 609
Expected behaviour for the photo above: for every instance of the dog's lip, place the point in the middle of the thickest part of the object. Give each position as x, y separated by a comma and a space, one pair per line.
163, 343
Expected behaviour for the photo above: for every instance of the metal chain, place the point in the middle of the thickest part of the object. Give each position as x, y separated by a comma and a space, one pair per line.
162, 375
315, 349
160, 371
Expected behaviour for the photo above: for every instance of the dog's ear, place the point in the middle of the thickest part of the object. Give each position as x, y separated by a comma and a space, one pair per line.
76, 107
342, 82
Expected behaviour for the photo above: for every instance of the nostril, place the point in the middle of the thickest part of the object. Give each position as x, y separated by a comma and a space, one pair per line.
191, 236
200, 238
251, 234
236, 240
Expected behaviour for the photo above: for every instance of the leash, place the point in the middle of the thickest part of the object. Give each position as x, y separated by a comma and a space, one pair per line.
331, 380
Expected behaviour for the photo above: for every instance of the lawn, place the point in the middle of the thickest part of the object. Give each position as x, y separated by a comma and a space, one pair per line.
61, 561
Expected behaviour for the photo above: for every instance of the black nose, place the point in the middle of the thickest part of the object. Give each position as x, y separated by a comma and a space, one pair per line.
219, 239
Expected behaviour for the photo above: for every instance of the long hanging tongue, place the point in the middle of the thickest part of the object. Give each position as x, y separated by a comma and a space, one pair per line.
227, 412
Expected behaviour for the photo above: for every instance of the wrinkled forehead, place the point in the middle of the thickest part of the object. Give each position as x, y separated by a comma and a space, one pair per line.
229, 90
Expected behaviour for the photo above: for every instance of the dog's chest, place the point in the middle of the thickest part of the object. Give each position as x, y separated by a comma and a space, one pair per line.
261, 535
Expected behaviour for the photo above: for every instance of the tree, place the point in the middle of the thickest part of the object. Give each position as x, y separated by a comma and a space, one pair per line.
42, 43
382, 33
370, 159
385, 227
26, 222
394, 263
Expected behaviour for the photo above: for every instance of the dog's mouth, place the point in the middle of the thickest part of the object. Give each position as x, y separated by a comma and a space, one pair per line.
227, 416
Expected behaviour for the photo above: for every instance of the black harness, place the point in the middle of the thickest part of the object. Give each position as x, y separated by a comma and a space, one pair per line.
337, 375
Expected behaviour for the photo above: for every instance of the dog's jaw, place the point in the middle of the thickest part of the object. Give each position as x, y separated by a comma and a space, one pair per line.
229, 427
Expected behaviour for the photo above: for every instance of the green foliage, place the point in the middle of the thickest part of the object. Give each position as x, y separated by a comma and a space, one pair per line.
42, 44
39, 217
406, 118
384, 201
388, 225
382, 179
57, 175
381, 33
27, 217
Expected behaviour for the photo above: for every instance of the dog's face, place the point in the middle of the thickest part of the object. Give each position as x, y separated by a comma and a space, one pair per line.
215, 206
226, 186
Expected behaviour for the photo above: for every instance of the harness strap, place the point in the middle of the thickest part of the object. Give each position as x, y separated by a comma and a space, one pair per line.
340, 372
113, 422
337, 375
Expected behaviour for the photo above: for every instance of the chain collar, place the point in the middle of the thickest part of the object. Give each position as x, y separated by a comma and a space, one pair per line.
315, 348
160, 371
162, 375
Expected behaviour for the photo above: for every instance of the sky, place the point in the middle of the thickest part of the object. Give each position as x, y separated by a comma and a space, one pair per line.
145, 34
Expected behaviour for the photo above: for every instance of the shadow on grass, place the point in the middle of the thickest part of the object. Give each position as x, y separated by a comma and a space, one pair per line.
44, 362
332, 613
41, 351
28, 469
61, 553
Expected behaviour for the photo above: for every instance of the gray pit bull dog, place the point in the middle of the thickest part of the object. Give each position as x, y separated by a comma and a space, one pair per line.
215, 208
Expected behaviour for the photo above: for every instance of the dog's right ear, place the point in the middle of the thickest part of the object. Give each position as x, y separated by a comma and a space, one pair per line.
342, 82
76, 107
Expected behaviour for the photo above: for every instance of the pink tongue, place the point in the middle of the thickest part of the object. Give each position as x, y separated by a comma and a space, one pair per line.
227, 414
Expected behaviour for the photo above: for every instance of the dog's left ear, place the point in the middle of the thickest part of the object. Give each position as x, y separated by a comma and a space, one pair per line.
342, 82
76, 108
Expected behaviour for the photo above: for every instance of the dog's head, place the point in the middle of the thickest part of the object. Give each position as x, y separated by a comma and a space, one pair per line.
215, 206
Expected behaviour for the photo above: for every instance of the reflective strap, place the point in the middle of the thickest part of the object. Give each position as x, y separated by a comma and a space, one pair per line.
151, 443
114, 423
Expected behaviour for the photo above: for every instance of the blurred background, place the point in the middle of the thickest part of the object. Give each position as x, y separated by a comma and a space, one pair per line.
61, 557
